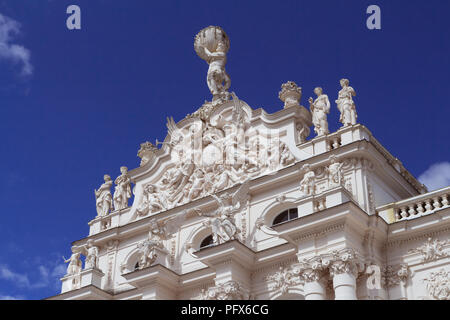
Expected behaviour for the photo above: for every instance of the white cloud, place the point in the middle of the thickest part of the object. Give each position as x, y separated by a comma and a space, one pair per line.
10, 51
436, 176
20, 279
48, 276
7, 297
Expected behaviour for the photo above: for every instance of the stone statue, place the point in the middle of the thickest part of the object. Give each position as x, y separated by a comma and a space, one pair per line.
150, 202
222, 221
308, 183
335, 175
212, 45
91, 261
146, 152
103, 197
123, 190
319, 110
345, 104
74, 266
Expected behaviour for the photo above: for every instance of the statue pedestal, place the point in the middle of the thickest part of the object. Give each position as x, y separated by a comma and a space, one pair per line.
91, 277
85, 278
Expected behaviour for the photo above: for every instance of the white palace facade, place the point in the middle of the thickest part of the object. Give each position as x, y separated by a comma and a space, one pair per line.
238, 204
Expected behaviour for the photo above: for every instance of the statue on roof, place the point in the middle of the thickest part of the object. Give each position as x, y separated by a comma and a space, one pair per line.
320, 107
346, 105
103, 197
123, 190
212, 45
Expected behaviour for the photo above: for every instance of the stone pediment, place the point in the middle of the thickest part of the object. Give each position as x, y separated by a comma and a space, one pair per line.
211, 150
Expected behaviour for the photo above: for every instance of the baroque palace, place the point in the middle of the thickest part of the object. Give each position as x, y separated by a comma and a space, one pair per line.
238, 204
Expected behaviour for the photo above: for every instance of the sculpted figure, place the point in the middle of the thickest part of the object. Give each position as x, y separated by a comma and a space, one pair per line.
227, 177
319, 110
146, 152
286, 155
212, 44
222, 221
308, 183
123, 190
346, 105
218, 79
197, 180
335, 175
150, 202
103, 197
74, 266
91, 256
147, 253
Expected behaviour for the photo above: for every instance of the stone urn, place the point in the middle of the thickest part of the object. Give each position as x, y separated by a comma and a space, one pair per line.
290, 94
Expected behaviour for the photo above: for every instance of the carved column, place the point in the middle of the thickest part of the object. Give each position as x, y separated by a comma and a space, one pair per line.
344, 267
312, 272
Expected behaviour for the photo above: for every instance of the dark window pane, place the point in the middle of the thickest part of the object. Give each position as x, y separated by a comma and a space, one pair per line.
293, 213
207, 241
282, 217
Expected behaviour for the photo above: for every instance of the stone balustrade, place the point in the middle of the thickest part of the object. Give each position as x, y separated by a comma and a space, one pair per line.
415, 207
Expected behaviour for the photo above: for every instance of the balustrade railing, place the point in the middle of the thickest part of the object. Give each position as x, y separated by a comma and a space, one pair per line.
414, 207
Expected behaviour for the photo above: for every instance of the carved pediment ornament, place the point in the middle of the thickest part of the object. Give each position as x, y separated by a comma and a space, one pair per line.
231, 290
208, 156
431, 250
438, 285
283, 279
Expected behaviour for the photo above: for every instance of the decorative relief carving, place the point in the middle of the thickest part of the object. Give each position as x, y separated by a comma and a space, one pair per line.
335, 175
283, 279
147, 253
438, 285
431, 250
231, 290
111, 247
146, 152
147, 248
211, 155
222, 220
312, 269
343, 261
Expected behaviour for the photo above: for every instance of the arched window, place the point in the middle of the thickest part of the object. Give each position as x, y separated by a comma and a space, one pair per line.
285, 216
207, 242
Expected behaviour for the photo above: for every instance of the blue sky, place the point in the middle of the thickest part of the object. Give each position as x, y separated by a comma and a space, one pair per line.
75, 105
